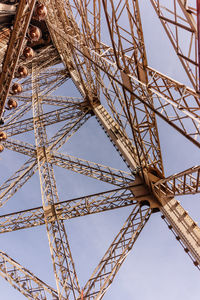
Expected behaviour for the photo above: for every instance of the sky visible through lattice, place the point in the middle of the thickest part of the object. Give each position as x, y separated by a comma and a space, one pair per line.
157, 267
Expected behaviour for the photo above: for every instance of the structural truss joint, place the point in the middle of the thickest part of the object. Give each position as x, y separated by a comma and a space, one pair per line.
50, 213
143, 194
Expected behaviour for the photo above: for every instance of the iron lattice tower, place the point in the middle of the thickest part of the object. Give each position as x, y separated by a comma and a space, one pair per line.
99, 46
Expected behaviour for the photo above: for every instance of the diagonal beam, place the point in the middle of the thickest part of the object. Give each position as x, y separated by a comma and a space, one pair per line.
63, 265
48, 80
177, 20
20, 147
126, 38
23, 280
17, 113
114, 257
183, 183
184, 120
67, 113
16, 181
118, 136
141, 120
48, 85
69, 209
129, 44
10, 187
22, 20
52, 100
55, 142
186, 230
65, 133
91, 169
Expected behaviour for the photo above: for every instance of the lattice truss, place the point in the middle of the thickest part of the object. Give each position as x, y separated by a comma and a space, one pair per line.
99, 46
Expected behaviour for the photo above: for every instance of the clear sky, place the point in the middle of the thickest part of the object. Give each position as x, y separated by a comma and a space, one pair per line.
157, 267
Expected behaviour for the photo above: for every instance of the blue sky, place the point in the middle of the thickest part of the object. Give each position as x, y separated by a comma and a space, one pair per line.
157, 267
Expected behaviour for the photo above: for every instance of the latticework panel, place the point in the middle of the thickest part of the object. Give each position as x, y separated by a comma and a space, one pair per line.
86, 106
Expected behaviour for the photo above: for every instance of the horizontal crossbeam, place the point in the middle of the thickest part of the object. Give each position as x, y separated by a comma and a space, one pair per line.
91, 169
51, 100
183, 183
68, 209
70, 111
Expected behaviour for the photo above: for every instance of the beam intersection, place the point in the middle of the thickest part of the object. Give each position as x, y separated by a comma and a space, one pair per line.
106, 60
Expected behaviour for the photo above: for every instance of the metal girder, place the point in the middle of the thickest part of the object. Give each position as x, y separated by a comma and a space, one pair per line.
91, 169
144, 132
44, 58
53, 79
16, 41
11, 186
23, 280
16, 181
128, 40
64, 134
49, 79
69, 112
18, 113
20, 147
64, 270
135, 93
78, 67
118, 137
52, 100
56, 142
129, 155
68, 209
187, 231
111, 262
179, 19
183, 183
175, 111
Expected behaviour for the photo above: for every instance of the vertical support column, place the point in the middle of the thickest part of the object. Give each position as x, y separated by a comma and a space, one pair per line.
65, 274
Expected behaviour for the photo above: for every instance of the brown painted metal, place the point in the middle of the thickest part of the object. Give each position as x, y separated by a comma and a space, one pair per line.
63, 265
23, 280
134, 94
178, 19
68, 209
22, 20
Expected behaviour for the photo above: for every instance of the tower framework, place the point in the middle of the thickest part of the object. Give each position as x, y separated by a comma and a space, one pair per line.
100, 47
